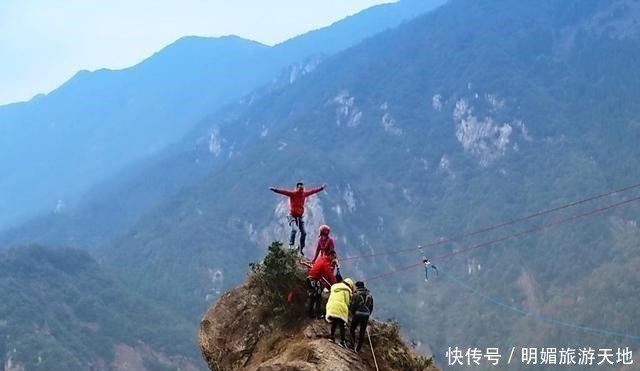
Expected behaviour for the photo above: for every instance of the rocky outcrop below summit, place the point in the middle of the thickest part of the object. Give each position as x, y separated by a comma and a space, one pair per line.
243, 332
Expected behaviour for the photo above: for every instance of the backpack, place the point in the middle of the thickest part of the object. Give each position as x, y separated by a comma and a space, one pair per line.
363, 309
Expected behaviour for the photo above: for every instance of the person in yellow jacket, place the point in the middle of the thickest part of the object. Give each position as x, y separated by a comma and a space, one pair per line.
338, 307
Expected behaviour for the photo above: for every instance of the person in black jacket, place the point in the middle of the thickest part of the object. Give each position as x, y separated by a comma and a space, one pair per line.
361, 308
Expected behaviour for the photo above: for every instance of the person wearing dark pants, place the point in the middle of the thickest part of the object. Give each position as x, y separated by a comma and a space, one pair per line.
314, 292
320, 276
339, 323
338, 308
361, 308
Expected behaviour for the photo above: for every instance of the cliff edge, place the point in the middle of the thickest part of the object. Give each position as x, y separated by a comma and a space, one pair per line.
262, 326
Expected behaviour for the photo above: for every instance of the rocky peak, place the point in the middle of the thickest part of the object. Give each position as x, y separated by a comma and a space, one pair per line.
247, 330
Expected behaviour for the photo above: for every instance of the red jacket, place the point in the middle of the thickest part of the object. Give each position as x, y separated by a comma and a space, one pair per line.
325, 244
323, 268
297, 198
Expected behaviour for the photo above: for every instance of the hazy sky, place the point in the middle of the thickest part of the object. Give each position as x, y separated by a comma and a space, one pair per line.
44, 42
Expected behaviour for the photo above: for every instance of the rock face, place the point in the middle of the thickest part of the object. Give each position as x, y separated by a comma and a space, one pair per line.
241, 332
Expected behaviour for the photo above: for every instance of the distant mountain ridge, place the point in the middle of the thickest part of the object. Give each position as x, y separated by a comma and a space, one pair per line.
60, 144
98, 122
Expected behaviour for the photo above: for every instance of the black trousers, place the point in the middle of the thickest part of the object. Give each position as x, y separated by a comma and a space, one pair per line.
314, 292
337, 322
362, 321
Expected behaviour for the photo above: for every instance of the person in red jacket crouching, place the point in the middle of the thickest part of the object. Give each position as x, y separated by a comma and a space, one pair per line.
320, 276
297, 197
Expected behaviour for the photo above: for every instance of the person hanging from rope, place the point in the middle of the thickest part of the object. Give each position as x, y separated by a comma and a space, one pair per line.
338, 308
325, 242
428, 264
297, 198
320, 276
361, 308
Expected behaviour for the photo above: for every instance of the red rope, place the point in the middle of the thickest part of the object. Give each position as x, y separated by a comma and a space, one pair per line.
496, 226
508, 237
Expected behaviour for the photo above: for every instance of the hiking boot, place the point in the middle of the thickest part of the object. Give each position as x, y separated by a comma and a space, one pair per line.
343, 344
332, 340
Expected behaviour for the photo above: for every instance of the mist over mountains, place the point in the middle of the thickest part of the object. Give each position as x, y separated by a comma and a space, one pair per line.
473, 114
93, 129
61, 144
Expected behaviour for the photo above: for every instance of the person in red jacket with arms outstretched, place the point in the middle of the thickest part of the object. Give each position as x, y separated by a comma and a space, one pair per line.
297, 197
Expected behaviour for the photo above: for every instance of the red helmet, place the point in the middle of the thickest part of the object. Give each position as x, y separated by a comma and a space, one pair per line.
325, 228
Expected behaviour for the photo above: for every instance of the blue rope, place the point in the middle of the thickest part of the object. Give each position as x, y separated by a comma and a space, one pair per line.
534, 315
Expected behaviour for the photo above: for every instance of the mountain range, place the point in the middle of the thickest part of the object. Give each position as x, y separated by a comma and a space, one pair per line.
61, 144
473, 114
85, 148
433, 129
